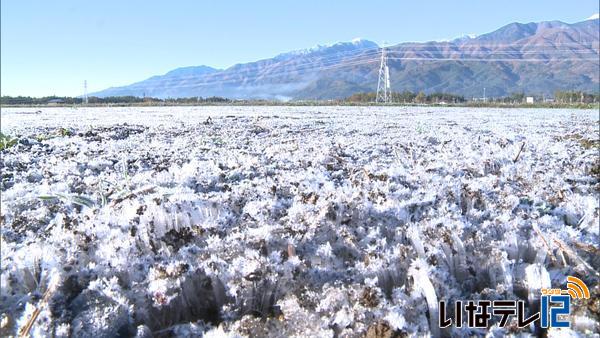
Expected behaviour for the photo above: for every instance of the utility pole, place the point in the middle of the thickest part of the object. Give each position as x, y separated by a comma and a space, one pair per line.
384, 92
85, 93
484, 100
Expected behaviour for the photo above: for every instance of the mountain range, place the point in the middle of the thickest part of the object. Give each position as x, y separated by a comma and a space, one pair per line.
535, 58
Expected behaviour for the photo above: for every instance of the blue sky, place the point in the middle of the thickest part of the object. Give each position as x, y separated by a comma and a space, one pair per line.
51, 47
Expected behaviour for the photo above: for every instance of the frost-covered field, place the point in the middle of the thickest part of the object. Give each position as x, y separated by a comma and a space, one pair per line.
292, 221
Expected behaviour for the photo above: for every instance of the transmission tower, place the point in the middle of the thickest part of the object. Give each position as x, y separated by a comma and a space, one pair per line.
85, 94
384, 92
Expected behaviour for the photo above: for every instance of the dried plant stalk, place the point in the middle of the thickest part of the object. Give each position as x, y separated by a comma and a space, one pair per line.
573, 254
24, 331
537, 230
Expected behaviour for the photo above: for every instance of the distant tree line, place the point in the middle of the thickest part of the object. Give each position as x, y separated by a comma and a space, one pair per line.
66, 100
562, 97
198, 99
575, 97
409, 97
28, 100
513, 98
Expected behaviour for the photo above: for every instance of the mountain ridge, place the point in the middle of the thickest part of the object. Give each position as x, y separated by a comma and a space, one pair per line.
532, 57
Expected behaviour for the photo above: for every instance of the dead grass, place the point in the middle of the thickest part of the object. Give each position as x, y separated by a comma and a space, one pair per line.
585, 143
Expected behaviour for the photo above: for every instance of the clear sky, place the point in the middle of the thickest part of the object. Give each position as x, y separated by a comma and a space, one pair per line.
51, 47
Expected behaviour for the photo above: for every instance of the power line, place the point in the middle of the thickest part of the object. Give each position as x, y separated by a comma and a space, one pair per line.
358, 61
507, 52
358, 56
334, 65
348, 64
325, 60
360, 52
592, 44
491, 60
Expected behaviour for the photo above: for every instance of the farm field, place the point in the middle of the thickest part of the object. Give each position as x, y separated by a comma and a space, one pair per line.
293, 221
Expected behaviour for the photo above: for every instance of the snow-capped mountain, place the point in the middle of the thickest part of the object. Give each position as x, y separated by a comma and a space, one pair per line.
355, 44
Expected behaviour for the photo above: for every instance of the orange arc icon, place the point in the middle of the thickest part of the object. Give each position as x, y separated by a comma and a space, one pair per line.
577, 288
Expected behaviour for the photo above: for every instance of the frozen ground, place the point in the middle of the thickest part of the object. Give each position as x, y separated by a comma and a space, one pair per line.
292, 221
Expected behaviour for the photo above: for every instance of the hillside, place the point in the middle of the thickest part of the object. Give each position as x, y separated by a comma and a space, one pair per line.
535, 58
